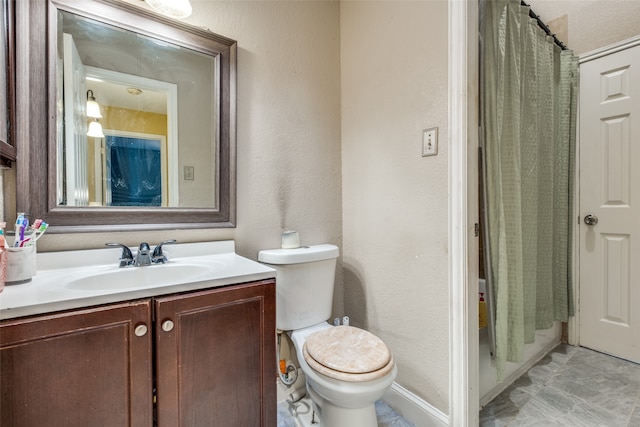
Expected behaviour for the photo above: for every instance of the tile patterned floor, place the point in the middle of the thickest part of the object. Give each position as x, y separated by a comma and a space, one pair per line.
287, 412
572, 387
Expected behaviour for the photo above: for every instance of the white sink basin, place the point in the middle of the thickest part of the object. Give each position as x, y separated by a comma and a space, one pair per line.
141, 277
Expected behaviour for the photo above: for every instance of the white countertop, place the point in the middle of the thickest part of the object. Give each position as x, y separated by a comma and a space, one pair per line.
52, 289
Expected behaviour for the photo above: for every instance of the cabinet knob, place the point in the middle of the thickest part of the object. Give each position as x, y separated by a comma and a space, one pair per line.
140, 330
167, 325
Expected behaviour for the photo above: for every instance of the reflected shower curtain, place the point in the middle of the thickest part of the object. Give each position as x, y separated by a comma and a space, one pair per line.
529, 101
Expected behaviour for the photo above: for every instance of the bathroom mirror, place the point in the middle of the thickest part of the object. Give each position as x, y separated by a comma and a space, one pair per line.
163, 156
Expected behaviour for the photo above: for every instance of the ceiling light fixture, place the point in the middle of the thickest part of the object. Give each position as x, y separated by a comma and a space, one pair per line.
172, 8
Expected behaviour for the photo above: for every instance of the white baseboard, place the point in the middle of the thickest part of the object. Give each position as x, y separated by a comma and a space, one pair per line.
413, 408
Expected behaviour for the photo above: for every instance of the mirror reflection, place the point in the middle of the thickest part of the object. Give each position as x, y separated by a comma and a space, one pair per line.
135, 123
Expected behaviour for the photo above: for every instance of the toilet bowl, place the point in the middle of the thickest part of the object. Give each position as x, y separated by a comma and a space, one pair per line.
347, 369
360, 371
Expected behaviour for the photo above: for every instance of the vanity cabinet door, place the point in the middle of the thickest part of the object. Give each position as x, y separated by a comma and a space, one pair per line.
89, 367
215, 357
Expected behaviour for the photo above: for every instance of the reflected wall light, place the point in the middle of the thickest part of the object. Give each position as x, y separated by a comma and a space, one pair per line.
171, 8
95, 129
93, 109
93, 112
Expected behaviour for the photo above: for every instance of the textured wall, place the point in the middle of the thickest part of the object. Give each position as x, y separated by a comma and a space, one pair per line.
394, 84
592, 24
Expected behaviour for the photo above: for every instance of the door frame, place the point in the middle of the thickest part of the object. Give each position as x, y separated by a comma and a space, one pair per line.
463, 45
574, 322
170, 193
171, 91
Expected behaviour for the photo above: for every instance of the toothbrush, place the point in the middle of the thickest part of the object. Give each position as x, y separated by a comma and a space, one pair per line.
37, 233
41, 230
36, 224
16, 237
22, 242
24, 226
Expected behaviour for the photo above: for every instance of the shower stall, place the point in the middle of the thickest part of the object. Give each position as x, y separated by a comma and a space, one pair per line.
528, 131
489, 385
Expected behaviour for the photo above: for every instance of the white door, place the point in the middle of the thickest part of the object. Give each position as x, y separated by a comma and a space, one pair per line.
75, 119
610, 192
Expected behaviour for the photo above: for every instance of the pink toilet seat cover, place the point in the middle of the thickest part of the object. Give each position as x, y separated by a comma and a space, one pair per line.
347, 353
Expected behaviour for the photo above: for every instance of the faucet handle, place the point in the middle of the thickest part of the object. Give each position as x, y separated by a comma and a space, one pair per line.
158, 256
127, 257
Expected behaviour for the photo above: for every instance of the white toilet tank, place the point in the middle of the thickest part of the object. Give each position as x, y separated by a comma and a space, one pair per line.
304, 284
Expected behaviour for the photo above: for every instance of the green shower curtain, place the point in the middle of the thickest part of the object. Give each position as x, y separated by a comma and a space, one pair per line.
529, 101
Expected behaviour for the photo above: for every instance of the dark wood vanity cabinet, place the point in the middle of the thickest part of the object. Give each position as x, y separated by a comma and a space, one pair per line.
215, 357
78, 368
209, 355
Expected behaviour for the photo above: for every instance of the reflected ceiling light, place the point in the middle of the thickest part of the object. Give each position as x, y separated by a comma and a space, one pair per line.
95, 129
171, 8
93, 109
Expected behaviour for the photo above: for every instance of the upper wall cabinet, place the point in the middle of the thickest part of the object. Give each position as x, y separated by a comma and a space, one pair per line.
7, 83
129, 118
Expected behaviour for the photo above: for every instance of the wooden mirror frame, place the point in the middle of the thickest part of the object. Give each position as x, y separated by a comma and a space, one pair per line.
36, 29
7, 88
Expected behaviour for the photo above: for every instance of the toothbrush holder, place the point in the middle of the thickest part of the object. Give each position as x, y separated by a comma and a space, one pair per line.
21, 264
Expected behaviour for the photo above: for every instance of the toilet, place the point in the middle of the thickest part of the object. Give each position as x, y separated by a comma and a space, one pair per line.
347, 369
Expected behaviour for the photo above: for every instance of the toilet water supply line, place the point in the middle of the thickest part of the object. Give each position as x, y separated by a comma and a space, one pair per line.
286, 369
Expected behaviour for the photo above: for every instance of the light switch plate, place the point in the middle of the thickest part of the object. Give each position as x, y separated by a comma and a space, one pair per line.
188, 173
430, 142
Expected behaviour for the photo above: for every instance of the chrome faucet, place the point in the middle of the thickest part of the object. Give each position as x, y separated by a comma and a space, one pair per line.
144, 256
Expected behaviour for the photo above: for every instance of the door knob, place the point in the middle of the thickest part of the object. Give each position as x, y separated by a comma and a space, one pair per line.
591, 219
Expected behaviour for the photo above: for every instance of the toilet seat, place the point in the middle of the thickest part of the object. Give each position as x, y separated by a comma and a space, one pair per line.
347, 353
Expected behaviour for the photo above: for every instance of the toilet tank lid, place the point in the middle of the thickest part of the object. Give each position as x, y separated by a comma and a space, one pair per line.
299, 255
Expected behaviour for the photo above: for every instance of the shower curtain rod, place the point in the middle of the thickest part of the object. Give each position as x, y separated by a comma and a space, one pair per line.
543, 26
